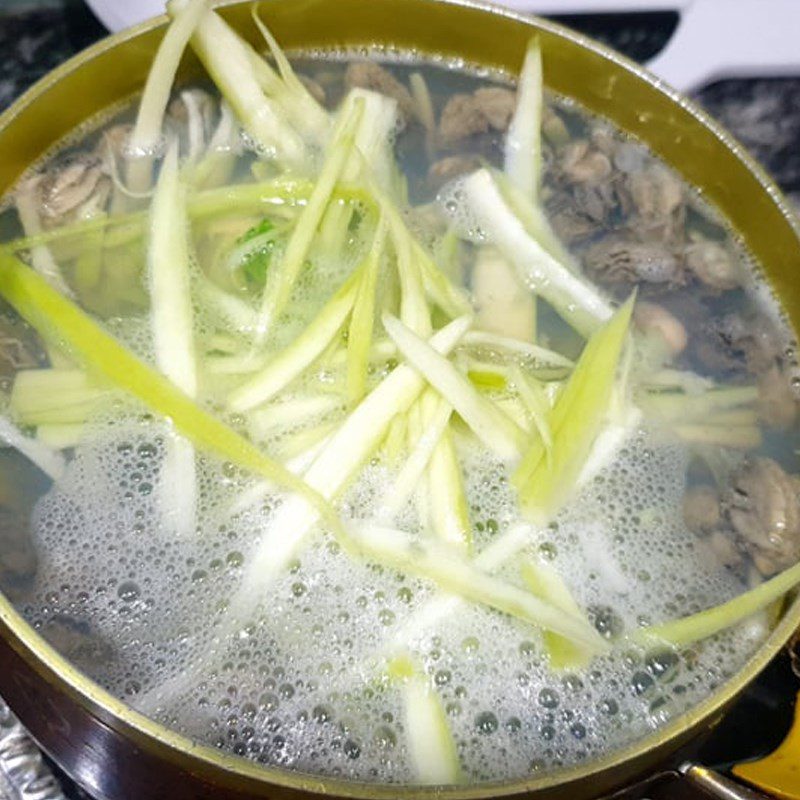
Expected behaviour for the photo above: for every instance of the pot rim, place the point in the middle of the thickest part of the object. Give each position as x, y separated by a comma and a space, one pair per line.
56, 669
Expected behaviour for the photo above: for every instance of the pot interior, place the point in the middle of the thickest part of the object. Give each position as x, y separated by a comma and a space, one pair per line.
599, 81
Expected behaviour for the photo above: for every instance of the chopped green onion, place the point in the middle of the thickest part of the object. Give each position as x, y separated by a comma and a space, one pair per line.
745, 437
679, 406
292, 412
538, 406
173, 337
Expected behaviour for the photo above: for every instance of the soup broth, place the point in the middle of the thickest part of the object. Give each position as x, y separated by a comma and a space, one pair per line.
222, 605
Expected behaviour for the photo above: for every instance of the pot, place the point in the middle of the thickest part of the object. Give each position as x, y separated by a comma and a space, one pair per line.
82, 726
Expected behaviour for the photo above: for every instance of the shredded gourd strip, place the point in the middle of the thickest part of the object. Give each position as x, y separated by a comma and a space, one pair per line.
146, 134
430, 741
575, 422
681, 632
523, 150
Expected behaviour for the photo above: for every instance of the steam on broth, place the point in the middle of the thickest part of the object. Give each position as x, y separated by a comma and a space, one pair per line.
409, 423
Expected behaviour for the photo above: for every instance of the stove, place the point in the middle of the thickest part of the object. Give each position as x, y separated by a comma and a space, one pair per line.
37, 35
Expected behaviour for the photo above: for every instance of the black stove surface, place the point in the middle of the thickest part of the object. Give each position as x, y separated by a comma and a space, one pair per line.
37, 35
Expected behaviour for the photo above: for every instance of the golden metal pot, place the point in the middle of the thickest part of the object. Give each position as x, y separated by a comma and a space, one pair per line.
117, 753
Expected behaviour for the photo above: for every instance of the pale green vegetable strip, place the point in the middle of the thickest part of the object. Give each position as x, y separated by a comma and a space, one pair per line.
48, 460
539, 354
380, 350
60, 436
744, 417
452, 573
533, 217
305, 440
513, 407
58, 319
54, 396
146, 134
216, 166
537, 405
232, 311
429, 738
396, 438
227, 62
173, 338
177, 487
504, 303
413, 470
297, 464
44, 385
240, 363
523, 150
28, 211
359, 339
575, 421
439, 288
372, 158
449, 514
300, 106
88, 269
414, 309
283, 275
490, 425
573, 297
284, 367
682, 407
70, 407
168, 272
436, 610
609, 442
415, 427
548, 585
681, 632
292, 412
423, 105
262, 196
336, 465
